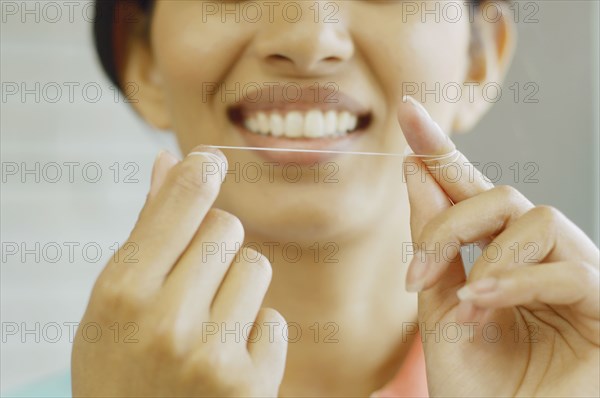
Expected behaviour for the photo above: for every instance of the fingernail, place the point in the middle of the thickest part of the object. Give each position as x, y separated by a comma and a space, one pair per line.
474, 289
416, 104
408, 151
422, 133
215, 156
417, 273
221, 165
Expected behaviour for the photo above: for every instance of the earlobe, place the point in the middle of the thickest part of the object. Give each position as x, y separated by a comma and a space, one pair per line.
491, 52
140, 70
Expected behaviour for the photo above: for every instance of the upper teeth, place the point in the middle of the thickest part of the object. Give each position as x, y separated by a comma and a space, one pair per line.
295, 124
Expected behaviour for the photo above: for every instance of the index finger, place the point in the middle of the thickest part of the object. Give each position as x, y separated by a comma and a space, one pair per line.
455, 174
168, 223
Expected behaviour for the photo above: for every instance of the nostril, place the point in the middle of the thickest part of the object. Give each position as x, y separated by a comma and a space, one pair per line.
302, 64
278, 57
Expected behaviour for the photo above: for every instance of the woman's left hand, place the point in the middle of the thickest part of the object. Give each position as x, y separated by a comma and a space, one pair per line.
526, 320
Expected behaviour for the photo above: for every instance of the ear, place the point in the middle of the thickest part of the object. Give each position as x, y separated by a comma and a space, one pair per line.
140, 78
493, 41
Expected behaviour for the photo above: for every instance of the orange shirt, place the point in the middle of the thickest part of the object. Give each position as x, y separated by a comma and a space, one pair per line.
411, 379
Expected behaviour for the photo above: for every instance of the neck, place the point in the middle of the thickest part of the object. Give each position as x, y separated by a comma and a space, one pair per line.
345, 318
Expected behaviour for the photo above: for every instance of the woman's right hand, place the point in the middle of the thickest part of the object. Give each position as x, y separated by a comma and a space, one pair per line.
178, 319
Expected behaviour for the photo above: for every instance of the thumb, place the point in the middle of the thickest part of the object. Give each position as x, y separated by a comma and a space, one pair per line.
426, 198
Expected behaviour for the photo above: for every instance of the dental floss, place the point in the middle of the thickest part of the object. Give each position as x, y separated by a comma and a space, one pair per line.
453, 154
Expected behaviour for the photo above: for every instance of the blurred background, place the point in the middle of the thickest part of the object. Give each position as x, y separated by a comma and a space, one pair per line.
58, 231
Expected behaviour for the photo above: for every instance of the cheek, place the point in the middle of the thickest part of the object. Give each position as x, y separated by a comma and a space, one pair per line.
437, 75
418, 59
192, 49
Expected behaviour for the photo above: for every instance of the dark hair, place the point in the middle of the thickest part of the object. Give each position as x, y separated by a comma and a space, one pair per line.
109, 28
109, 23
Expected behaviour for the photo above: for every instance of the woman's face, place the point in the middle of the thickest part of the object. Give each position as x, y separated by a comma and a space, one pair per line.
223, 71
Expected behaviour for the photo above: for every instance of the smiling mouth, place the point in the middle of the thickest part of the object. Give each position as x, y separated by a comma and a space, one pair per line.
323, 114
300, 124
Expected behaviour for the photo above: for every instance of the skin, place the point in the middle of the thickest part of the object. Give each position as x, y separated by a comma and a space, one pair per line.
172, 291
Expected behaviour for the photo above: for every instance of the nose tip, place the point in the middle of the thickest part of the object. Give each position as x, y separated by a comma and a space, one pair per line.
317, 49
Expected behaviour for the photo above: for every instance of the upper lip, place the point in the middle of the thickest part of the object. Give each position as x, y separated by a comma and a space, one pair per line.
293, 97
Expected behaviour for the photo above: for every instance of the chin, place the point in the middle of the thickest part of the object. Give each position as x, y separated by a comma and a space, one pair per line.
306, 212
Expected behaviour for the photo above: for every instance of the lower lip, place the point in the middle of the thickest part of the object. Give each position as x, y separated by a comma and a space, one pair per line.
329, 145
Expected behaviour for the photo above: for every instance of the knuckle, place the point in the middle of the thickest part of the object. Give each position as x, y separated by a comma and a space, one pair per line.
509, 192
272, 315
213, 365
165, 344
118, 296
259, 263
585, 274
512, 196
517, 203
548, 214
231, 223
436, 230
505, 190
216, 356
429, 229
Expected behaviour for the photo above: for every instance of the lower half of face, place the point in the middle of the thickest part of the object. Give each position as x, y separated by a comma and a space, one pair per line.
314, 87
